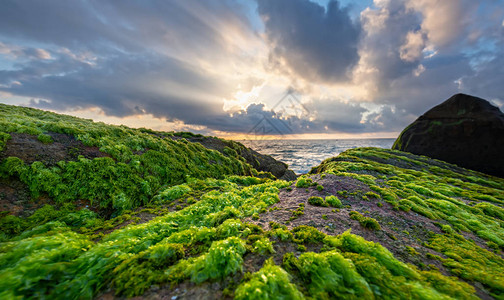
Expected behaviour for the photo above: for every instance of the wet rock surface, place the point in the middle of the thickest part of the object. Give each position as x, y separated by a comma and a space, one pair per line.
464, 130
64, 147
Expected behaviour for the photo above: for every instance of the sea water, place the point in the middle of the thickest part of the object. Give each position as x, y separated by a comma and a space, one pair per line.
302, 155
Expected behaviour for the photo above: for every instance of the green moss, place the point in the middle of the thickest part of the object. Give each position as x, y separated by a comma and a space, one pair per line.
301, 248
282, 234
4, 137
372, 195
172, 193
366, 222
11, 226
333, 201
304, 182
263, 246
25, 264
67, 215
140, 163
411, 250
270, 282
45, 138
329, 276
136, 274
434, 189
468, 261
307, 234
299, 211
223, 258
206, 240
317, 201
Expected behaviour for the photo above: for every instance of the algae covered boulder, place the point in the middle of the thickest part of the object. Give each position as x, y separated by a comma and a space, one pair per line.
260, 162
464, 130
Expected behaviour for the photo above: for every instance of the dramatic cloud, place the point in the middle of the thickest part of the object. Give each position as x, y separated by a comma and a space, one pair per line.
415, 54
220, 65
316, 116
390, 46
123, 86
126, 58
316, 43
412, 49
444, 22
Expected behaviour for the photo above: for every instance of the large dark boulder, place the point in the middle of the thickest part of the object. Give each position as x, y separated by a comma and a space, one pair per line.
464, 130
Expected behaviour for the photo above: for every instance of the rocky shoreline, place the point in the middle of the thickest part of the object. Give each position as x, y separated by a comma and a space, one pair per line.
90, 210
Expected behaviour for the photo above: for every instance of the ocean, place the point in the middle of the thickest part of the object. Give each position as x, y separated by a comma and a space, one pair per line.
302, 155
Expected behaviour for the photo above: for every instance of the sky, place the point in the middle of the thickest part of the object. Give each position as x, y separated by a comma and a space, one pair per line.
248, 68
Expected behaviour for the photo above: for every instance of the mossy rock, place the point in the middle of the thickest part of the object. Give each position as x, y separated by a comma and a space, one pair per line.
464, 130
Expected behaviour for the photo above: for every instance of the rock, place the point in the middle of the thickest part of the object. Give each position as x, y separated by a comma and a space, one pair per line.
258, 161
463, 130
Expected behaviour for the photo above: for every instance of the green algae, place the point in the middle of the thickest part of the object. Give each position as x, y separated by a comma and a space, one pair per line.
223, 258
328, 275
366, 222
469, 261
133, 258
140, 163
333, 201
270, 282
317, 201
304, 182
463, 201
418, 189
52, 255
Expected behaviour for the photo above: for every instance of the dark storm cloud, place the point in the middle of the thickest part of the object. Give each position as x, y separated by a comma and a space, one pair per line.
318, 44
173, 59
121, 86
108, 25
112, 55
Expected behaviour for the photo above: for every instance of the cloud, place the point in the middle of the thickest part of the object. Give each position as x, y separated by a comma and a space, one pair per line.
486, 82
389, 118
199, 63
389, 47
290, 116
122, 86
444, 22
17, 52
415, 54
337, 115
412, 49
172, 59
313, 42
